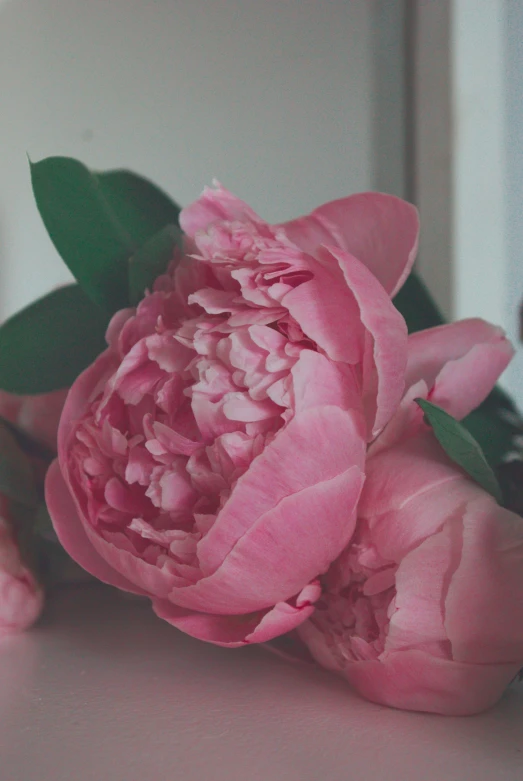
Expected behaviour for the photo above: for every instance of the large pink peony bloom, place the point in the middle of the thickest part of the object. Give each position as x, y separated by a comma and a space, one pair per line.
212, 458
21, 598
423, 610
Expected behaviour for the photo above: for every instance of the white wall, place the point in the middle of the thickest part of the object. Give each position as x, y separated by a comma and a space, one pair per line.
487, 93
513, 70
276, 99
432, 147
478, 48
469, 161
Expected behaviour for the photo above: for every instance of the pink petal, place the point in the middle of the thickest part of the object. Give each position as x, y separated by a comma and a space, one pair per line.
210, 417
410, 491
255, 317
148, 579
406, 421
176, 494
174, 441
414, 680
85, 388
316, 446
318, 381
328, 313
239, 630
215, 301
115, 326
169, 354
240, 407
380, 230
461, 362
267, 338
212, 206
99, 557
72, 535
347, 313
267, 544
421, 579
286, 548
139, 466
484, 604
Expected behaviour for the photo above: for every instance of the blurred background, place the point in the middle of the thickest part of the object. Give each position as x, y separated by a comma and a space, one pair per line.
289, 104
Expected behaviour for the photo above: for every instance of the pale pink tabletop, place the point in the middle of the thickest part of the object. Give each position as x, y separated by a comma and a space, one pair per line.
104, 691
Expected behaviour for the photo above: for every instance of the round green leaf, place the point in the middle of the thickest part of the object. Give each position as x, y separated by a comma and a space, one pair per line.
45, 346
97, 221
417, 306
139, 205
461, 447
151, 261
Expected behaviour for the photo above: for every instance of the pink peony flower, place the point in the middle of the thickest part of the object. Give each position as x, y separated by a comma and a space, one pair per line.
423, 610
212, 458
37, 415
21, 598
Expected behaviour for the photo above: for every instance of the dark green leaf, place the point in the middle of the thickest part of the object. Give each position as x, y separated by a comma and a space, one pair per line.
97, 221
16, 474
461, 447
510, 476
498, 399
138, 204
494, 434
84, 228
487, 424
151, 260
45, 346
417, 305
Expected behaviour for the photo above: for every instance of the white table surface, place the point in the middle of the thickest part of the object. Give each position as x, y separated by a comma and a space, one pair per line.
102, 690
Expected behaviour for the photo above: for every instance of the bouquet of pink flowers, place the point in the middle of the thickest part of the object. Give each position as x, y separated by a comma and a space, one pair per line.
252, 439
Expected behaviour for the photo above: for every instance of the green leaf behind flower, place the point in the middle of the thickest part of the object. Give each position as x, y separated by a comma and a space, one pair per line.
139, 205
97, 221
461, 447
45, 346
488, 424
151, 261
417, 306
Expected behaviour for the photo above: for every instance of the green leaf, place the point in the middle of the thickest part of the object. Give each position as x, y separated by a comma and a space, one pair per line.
97, 221
499, 400
510, 476
461, 447
45, 346
16, 473
138, 204
417, 306
151, 260
493, 432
